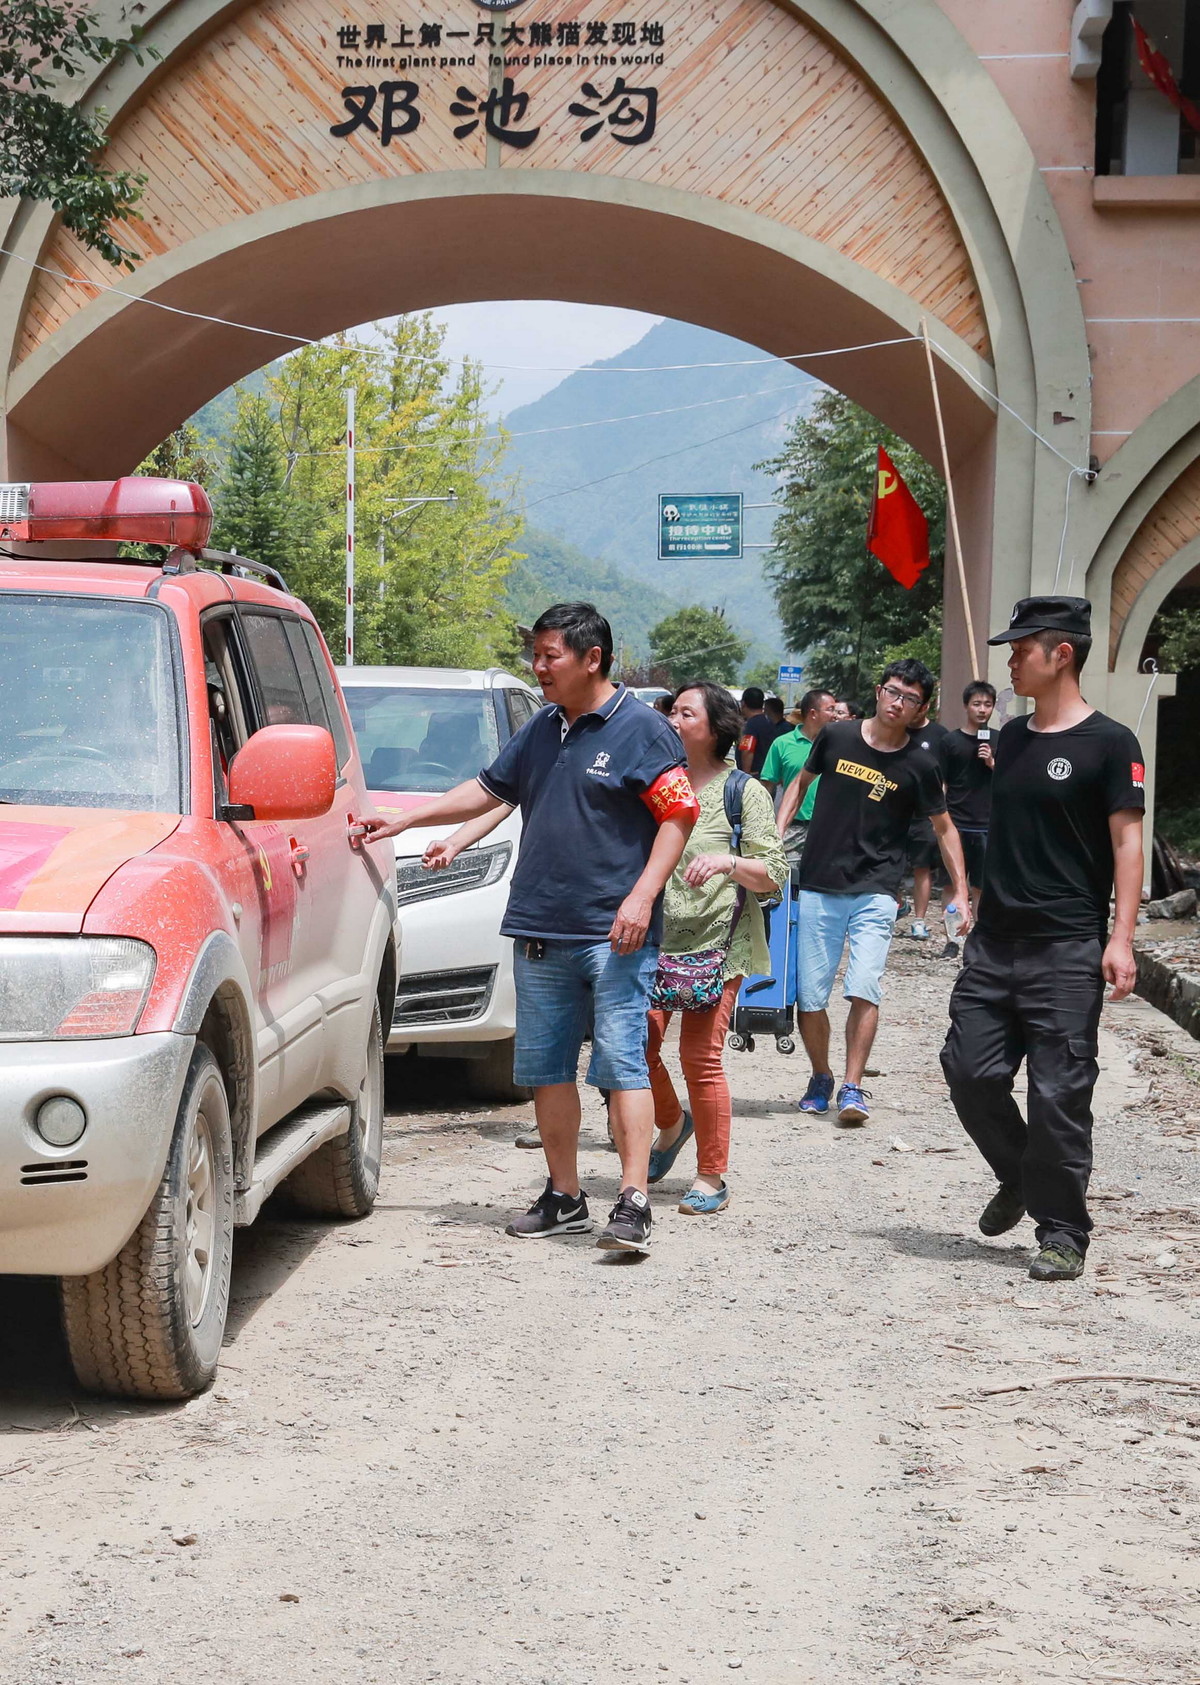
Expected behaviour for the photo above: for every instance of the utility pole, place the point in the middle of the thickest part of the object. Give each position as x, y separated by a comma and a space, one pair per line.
408, 504
350, 526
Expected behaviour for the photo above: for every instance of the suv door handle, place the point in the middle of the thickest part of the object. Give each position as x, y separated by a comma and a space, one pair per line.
354, 831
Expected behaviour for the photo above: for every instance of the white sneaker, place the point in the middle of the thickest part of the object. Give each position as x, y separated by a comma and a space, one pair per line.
919, 930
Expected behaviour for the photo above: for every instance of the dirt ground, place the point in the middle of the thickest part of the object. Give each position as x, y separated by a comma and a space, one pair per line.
829, 1436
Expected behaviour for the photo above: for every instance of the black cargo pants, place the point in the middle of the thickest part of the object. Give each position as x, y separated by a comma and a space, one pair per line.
1037, 1001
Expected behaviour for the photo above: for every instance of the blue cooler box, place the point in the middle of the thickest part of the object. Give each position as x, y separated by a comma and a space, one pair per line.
766, 1006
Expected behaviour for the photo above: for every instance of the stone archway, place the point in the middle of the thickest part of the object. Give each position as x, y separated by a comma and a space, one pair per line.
809, 175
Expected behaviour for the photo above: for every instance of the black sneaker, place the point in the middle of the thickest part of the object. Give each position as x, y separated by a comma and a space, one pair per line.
1002, 1212
1057, 1262
552, 1214
628, 1223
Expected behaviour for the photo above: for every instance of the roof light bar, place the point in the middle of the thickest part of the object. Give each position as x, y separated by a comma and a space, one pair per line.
135, 509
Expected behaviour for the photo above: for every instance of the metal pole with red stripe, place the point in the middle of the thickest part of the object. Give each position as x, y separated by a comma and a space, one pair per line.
350, 526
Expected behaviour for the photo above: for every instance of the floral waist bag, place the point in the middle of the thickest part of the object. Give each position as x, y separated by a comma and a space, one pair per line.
696, 982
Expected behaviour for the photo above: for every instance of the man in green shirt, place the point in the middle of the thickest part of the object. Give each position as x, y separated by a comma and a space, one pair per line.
787, 756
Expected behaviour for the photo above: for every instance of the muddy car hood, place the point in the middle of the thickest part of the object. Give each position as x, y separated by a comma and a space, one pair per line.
55, 860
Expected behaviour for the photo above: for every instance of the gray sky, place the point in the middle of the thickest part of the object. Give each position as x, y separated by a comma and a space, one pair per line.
537, 333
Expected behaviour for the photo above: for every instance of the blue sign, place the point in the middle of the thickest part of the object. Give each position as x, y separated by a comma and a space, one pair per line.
790, 675
700, 524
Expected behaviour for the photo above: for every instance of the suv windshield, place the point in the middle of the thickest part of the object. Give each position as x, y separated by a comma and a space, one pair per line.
88, 714
425, 741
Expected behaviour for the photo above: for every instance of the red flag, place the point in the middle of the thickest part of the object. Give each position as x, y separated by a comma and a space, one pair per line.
1159, 71
897, 531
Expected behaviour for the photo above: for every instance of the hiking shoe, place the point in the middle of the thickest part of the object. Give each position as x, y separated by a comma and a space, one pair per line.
1002, 1212
529, 1139
852, 1104
818, 1094
919, 930
551, 1214
628, 1223
1057, 1262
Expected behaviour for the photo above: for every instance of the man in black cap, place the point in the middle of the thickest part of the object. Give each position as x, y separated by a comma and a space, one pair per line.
1067, 804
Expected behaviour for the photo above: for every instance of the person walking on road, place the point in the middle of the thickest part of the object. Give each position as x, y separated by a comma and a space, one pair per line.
1068, 798
967, 760
606, 809
758, 732
711, 907
788, 755
874, 778
922, 843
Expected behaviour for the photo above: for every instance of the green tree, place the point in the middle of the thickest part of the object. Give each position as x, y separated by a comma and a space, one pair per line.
181, 456
421, 432
764, 674
49, 147
837, 602
697, 643
256, 514
1178, 632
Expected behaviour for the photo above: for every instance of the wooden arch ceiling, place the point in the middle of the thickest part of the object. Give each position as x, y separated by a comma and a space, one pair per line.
754, 109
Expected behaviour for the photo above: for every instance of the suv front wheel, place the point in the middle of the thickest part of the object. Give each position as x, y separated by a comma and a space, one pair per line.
151, 1322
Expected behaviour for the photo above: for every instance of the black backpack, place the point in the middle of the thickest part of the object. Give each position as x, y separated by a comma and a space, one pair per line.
735, 785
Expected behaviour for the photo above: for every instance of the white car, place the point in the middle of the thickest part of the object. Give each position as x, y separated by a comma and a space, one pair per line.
421, 731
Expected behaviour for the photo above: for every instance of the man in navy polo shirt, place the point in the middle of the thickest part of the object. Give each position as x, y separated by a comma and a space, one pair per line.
606, 810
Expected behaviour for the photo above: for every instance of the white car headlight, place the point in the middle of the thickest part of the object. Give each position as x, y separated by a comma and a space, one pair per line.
472, 870
58, 988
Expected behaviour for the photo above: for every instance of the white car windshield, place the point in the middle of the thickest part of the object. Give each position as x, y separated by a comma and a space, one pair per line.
424, 741
88, 710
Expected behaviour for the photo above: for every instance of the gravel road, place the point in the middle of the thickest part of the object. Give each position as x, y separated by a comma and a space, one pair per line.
830, 1436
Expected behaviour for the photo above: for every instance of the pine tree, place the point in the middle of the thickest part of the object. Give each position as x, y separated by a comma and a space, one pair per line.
255, 515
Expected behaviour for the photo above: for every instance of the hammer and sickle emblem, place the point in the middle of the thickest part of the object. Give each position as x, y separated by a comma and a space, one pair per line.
266, 870
887, 482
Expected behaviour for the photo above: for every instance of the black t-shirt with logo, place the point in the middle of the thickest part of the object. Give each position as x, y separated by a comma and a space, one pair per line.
865, 802
930, 737
1049, 870
968, 780
758, 734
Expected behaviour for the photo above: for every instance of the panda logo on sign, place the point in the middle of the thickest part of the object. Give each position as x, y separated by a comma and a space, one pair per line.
1059, 769
670, 512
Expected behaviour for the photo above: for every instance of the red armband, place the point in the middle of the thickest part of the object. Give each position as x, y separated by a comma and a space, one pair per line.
671, 797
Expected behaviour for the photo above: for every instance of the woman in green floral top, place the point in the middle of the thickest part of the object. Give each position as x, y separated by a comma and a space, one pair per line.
701, 899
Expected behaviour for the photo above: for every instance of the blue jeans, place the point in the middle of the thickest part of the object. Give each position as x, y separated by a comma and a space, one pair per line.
825, 923
573, 989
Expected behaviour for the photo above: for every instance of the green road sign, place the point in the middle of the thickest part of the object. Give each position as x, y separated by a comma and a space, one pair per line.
702, 524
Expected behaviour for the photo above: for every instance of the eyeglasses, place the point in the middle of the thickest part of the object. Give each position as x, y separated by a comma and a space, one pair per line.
901, 696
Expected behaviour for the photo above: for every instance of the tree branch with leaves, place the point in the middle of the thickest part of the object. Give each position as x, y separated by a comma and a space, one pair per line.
49, 147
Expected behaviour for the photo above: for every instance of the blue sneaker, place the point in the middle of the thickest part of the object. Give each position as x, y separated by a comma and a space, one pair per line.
818, 1094
852, 1104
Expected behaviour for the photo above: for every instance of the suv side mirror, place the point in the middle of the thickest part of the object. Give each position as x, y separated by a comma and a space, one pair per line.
283, 772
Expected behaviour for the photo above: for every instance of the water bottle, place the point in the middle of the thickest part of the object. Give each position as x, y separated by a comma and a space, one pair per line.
951, 919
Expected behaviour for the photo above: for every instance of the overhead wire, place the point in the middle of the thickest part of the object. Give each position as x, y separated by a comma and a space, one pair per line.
358, 349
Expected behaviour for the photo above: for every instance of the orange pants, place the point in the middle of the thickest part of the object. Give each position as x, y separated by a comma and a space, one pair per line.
701, 1044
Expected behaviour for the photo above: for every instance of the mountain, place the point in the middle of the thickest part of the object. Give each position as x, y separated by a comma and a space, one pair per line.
595, 453
557, 572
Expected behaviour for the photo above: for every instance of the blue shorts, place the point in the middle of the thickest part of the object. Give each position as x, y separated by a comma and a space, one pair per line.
825, 923
578, 988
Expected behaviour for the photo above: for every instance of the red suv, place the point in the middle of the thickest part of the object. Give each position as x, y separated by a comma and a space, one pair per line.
197, 958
